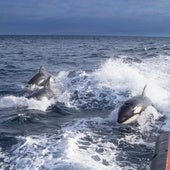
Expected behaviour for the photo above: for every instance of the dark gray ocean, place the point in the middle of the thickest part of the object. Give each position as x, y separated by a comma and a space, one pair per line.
92, 77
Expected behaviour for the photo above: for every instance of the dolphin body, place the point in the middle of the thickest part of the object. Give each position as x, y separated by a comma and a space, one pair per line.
39, 79
132, 108
46, 91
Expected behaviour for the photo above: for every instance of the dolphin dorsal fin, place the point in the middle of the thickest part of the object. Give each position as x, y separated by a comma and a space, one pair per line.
144, 89
41, 69
47, 82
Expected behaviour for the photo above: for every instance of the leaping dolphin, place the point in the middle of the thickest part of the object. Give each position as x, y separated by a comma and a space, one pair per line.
40, 78
132, 108
46, 91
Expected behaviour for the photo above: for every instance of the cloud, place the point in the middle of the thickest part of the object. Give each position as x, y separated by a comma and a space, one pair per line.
84, 8
84, 26
77, 16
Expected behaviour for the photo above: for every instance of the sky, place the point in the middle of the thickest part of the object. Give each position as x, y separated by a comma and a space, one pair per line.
85, 17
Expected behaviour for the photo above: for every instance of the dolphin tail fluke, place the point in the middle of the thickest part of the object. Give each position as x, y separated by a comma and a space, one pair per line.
47, 82
144, 89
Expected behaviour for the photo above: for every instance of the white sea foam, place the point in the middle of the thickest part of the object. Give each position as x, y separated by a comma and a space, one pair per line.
67, 152
19, 102
89, 157
118, 75
77, 147
147, 119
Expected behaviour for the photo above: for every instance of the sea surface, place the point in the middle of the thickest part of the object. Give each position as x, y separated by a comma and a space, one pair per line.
77, 129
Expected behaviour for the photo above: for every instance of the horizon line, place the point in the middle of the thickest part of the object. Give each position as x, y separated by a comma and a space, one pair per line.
90, 35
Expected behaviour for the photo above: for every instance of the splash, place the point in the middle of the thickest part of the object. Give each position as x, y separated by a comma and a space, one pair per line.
22, 102
76, 146
129, 77
115, 81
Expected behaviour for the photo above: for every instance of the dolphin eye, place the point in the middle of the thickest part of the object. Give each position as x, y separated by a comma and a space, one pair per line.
127, 104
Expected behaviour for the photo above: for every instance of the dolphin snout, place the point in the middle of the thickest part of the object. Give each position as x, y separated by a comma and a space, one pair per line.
124, 114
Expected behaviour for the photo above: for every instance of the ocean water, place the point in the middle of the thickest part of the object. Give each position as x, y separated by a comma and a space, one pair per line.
93, 76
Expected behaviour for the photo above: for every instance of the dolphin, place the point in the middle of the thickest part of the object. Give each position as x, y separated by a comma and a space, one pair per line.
46, 91
39, 79
132, 108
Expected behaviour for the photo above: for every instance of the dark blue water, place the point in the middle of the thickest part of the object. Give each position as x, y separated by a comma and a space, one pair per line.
92, 76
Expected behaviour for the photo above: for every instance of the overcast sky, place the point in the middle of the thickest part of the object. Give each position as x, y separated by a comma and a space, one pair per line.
85, 17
